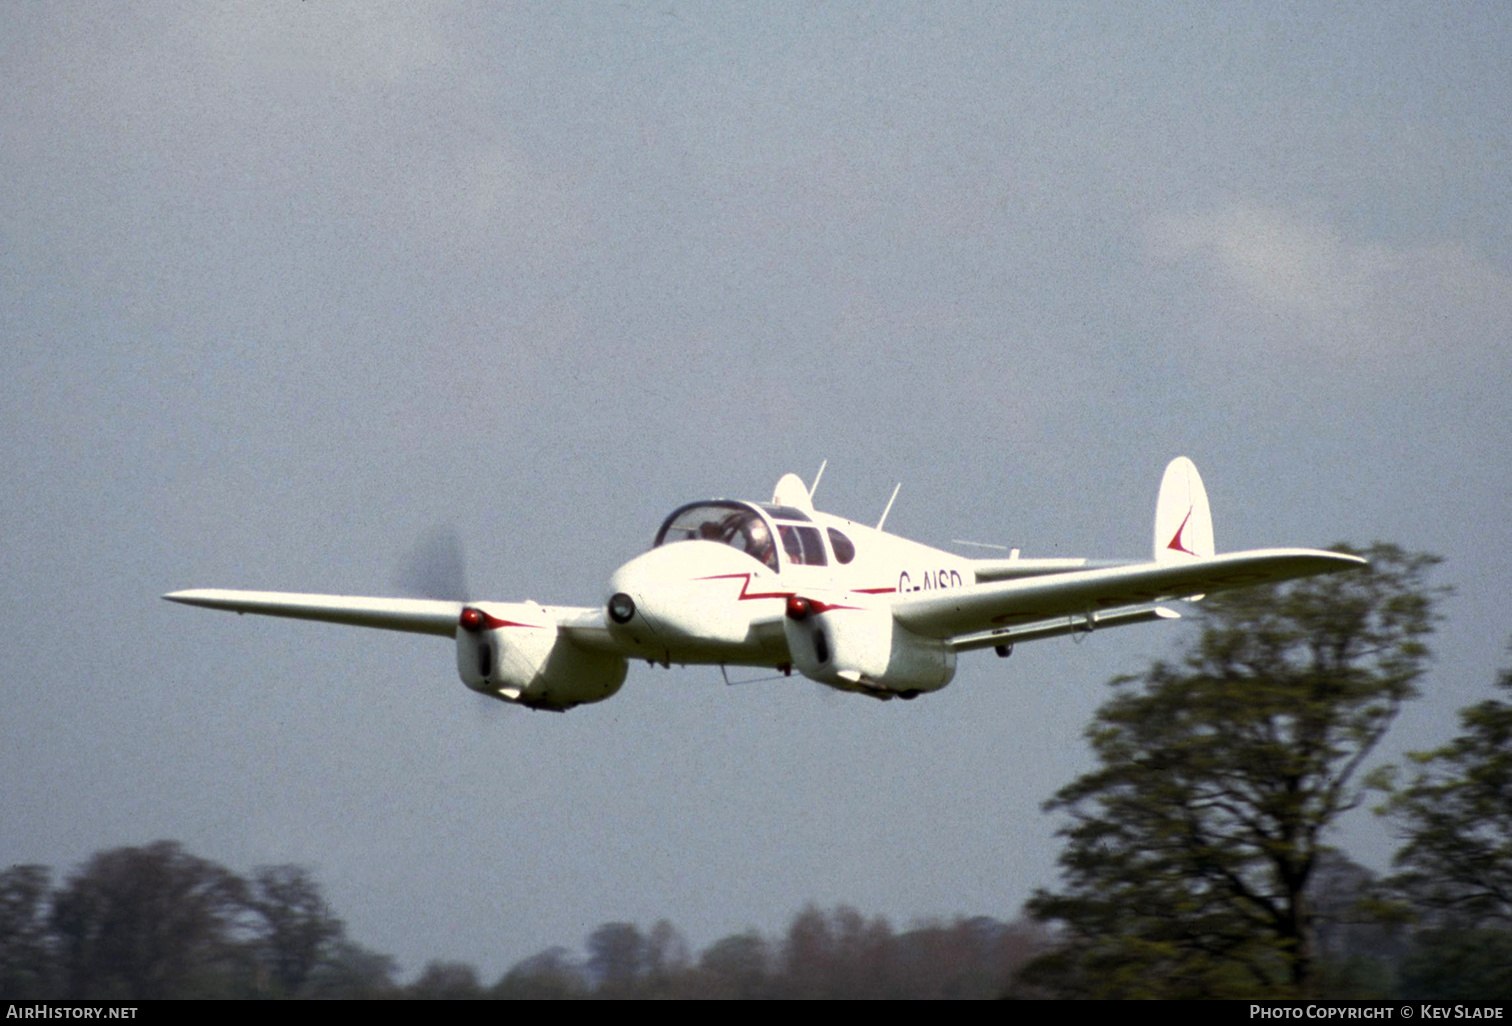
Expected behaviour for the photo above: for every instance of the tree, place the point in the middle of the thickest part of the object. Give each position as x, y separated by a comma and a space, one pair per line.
352, 971
1191, 847
452, 981
550, 974
616, 957
1456, 819
1457, 964
1455, 867
1357, 943
152, 922
666, 959
808, 955
26, 967
839, 954
297, 931
736, 966
975, 959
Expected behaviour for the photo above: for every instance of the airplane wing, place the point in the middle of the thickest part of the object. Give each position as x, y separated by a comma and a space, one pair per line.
1095, 594
416, 616
419, 616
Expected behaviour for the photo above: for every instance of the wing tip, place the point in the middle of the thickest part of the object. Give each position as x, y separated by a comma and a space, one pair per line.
195, 596
1341, 560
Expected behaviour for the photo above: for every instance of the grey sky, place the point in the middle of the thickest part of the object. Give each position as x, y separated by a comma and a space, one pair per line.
284, 286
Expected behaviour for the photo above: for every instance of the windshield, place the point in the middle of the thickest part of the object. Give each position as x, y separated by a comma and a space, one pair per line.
731, 523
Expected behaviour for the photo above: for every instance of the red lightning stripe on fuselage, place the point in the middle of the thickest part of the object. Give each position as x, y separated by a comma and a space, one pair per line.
745, 593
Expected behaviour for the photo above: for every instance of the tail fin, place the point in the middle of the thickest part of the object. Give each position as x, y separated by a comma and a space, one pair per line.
1183, 522
791, 491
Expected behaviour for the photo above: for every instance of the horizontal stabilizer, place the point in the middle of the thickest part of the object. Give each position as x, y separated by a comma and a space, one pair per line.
419, 616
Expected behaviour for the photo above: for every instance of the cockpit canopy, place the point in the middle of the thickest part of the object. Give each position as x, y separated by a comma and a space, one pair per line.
736, 524
751, 528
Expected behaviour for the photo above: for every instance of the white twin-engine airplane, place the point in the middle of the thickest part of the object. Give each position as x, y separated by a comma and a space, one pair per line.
781, 585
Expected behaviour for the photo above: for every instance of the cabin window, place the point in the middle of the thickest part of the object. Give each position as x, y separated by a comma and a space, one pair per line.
845, 551
803, 545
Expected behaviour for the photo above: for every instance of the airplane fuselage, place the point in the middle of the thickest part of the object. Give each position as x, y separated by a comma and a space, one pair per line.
702, 599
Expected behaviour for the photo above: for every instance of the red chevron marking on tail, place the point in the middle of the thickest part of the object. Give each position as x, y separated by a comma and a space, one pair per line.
1176, 543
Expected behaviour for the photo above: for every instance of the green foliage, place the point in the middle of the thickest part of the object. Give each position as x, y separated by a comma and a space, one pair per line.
26, 963
1357, 948
736, 966
1456, 817
155, 921
549, 975
350, 970
616, 956
1459, 964
447, 981
296, 930
1190, 849
835, 953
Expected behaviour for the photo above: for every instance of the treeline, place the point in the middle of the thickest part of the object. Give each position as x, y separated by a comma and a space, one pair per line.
824, 954
158, 922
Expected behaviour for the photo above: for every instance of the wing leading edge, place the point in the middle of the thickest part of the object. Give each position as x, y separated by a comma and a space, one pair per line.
1094, 594
418, 616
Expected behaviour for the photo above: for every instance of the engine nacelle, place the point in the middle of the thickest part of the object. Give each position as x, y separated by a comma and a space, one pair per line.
514, 652
849, 646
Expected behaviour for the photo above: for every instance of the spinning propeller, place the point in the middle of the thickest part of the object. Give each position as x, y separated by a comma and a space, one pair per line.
435, 568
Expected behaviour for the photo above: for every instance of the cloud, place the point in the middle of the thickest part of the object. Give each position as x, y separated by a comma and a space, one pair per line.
1304, 286
361, 45
352, 124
